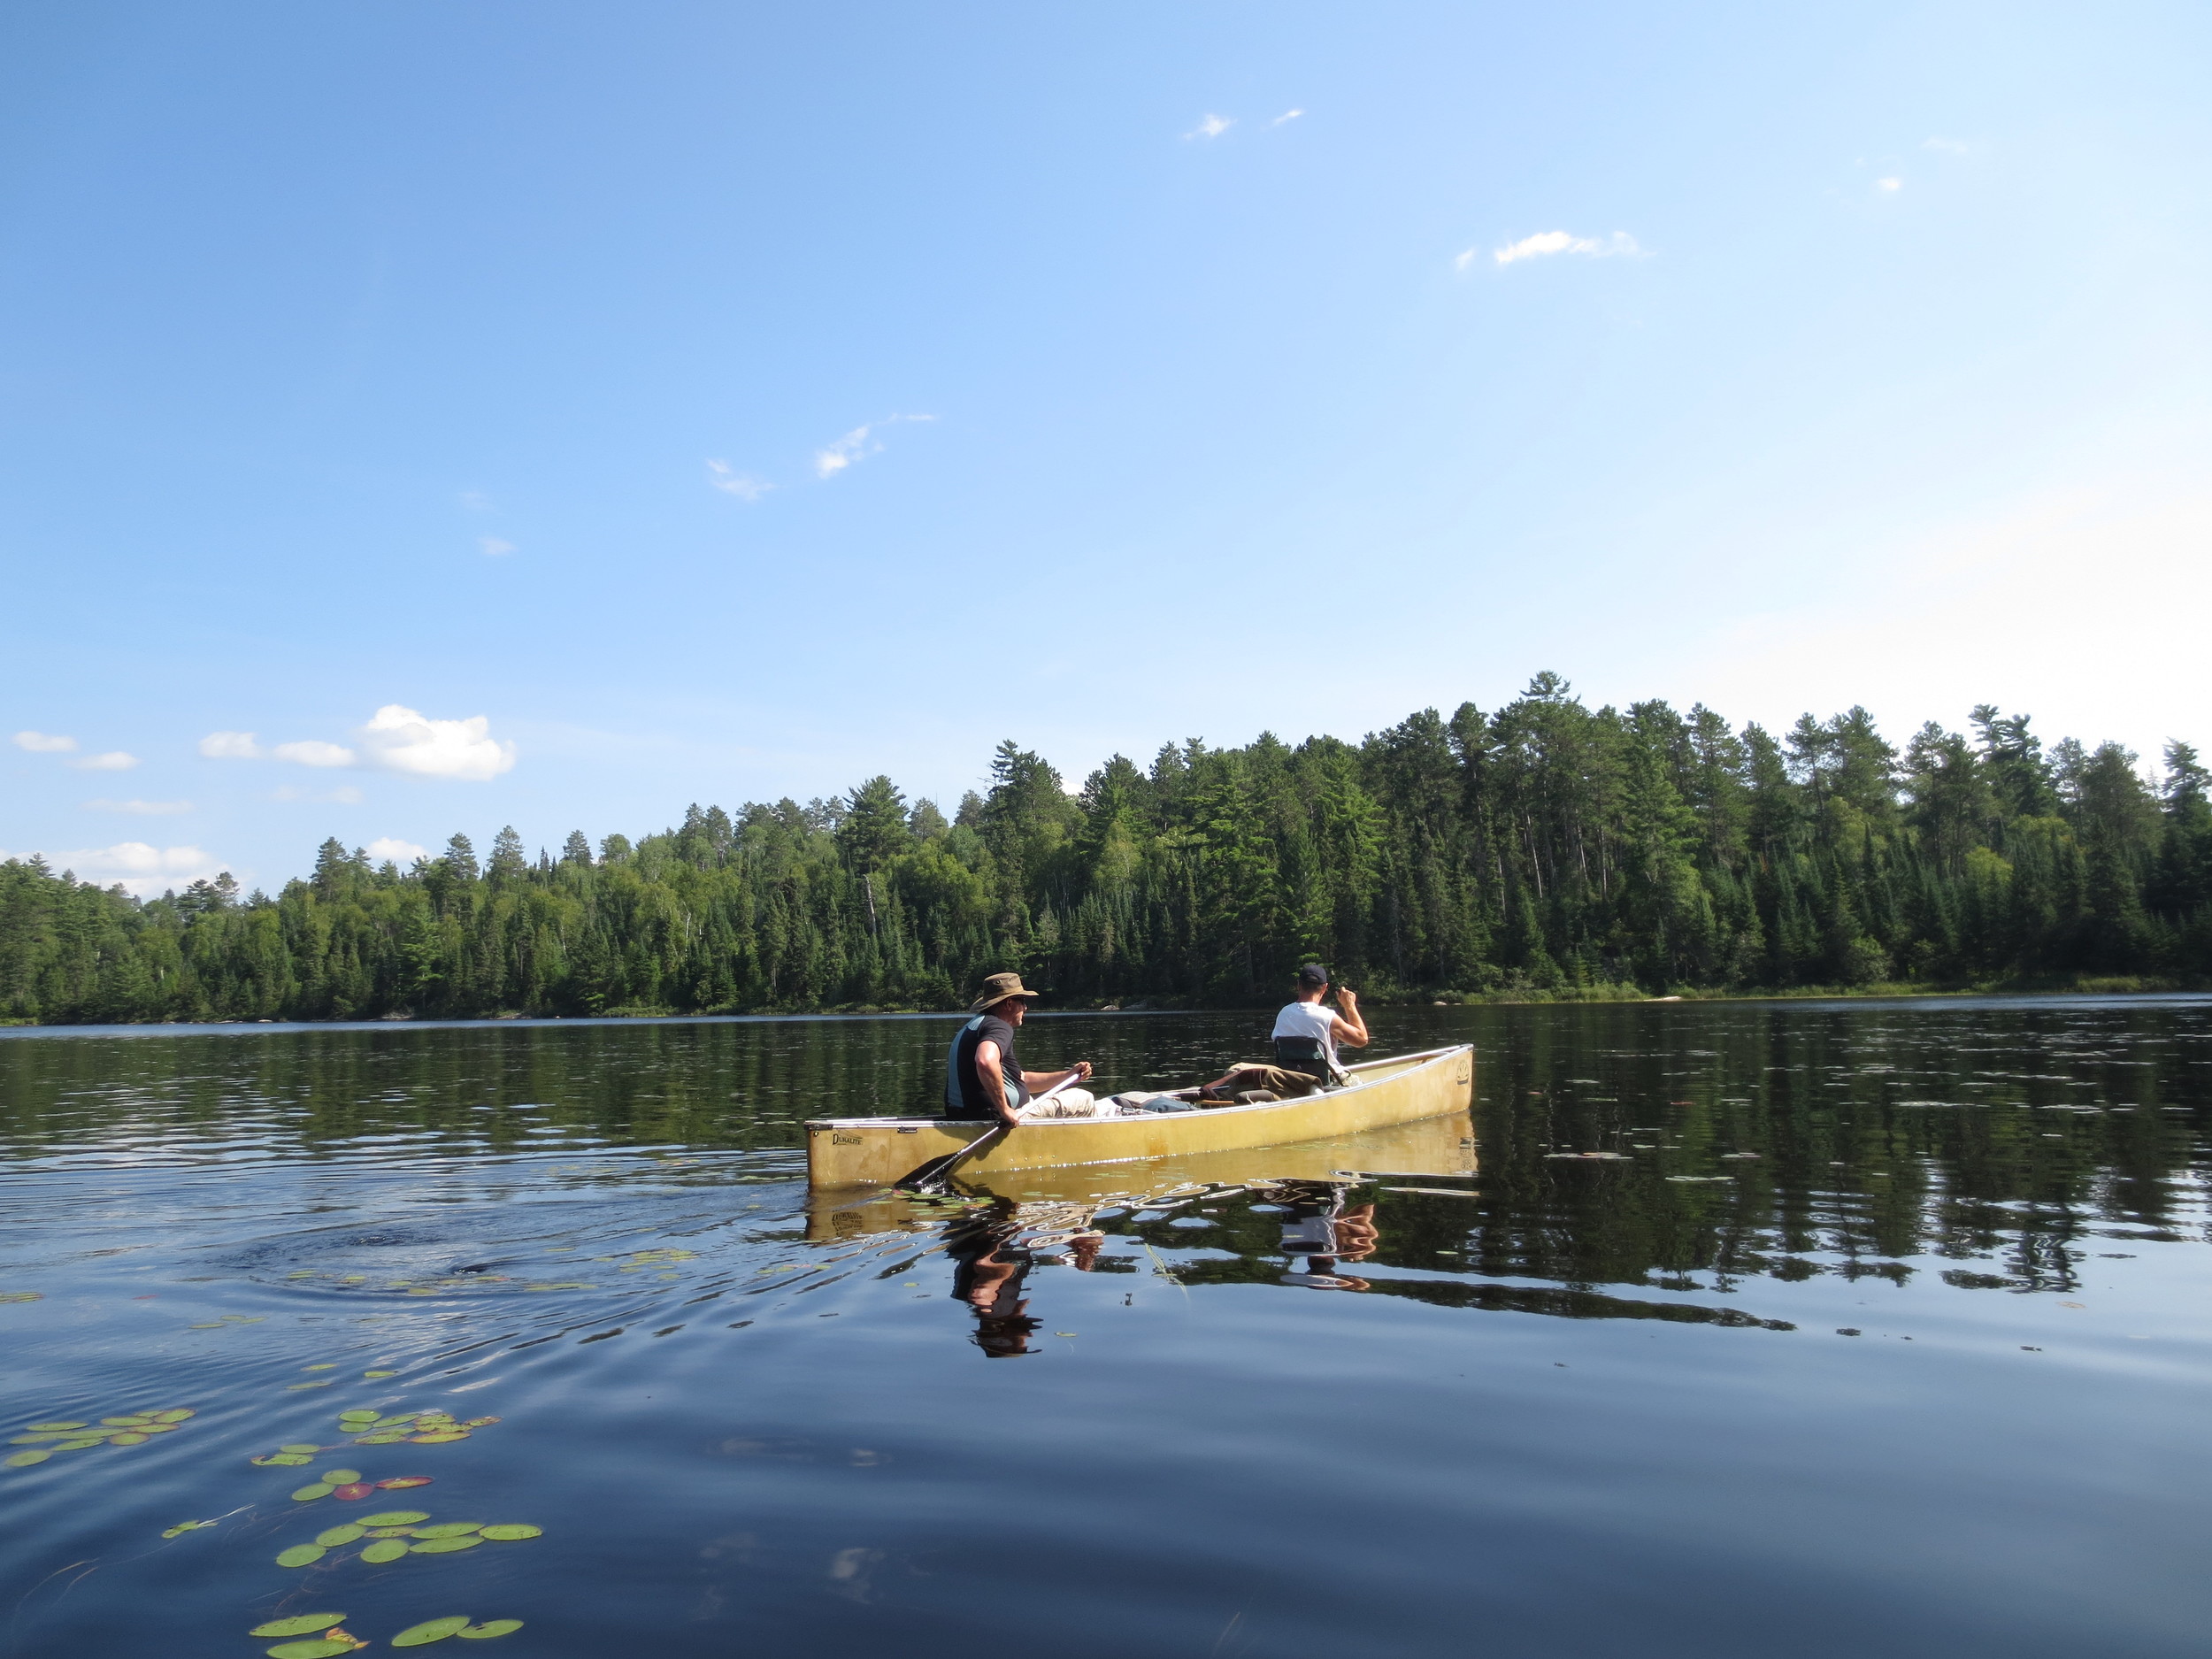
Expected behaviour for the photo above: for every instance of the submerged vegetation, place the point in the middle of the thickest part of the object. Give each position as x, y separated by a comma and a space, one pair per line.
1546, 849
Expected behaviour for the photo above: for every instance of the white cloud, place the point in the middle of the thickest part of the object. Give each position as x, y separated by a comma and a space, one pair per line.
494, 548
145, 809
852, 446
1212, 126
344, 795
314, 752
1947, 146
1889, 184
398, 739
42, 743
1287, 115
744, 486
1552, 241
134, 866
114, 760
387, 849
230, 746
476, 501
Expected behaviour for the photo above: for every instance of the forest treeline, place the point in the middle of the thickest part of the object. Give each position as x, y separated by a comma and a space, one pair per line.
1545, 849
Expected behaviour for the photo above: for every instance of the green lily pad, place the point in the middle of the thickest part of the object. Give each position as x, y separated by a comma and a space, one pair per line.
357, 1416
450, 1529
444, 1439
79, 1444
129, 1437
331, 1537
380, 1374
301, 1555
511, 1531
295, 1387
383, 1550
24, 1460
445, 1545
135, 1420
300, 1624
391, 1531
395, 1517
309, 1494
37, 1439
175, 1414
490, 1627
340, 1477
380, 1440
182, 1527
54, 1428
292, 1460
430, 1631
326, 1365
300, 1446
323, 1649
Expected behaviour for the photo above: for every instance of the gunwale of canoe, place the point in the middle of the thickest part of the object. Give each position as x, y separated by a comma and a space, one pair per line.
879, 1151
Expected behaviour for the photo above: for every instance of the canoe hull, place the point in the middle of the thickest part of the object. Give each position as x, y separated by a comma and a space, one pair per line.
844, 1152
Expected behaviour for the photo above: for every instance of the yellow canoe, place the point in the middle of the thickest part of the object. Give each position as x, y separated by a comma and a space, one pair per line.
880, 1151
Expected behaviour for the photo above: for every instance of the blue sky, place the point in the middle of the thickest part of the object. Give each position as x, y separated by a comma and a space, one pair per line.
422, 418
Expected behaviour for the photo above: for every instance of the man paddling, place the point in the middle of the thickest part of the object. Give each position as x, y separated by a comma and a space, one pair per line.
984, 1081
1305, 1039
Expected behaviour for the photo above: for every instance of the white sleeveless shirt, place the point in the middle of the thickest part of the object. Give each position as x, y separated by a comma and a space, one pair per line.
1307, 1020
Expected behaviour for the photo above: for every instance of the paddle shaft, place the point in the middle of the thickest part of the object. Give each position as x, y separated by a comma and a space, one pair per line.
934, 1180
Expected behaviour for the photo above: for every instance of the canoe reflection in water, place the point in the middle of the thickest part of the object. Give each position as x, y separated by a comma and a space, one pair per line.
993, 1247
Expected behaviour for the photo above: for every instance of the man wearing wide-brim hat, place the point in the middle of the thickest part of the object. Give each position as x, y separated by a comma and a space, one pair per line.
984, 1079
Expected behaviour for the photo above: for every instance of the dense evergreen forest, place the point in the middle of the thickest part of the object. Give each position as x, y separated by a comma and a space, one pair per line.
1544, 849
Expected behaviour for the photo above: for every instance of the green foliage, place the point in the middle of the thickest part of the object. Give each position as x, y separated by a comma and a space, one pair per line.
1546, 849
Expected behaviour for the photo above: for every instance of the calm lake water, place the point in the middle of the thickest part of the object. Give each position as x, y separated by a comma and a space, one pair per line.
1885, 1332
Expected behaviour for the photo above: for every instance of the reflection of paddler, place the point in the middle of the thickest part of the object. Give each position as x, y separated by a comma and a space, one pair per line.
993, 1249
1324, 1232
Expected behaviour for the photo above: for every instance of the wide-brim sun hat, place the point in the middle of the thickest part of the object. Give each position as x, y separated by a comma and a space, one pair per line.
997, 988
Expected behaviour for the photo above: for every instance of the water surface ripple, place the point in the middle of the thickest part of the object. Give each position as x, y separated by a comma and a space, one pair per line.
1724, 1329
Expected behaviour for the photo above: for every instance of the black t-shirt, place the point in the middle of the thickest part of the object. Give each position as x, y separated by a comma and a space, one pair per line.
975, 1095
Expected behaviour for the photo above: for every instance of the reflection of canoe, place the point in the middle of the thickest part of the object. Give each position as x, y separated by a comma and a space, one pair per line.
878, 1151
1436, 1147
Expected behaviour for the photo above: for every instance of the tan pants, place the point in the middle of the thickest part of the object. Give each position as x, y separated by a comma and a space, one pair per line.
1069, 1103
1273, 1078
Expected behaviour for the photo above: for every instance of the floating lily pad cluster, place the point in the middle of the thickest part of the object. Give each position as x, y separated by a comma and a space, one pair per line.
422, 1428
396, 1533
182, 1527
649, 1261
328, 1638
22, 1295
134, 1428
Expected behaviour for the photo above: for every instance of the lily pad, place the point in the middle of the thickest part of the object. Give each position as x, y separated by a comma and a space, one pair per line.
450, 1529
79, 1444
54, 1428
295, 1387
380, 1374
326, 1365
400, 1482
24, 1460
323, 1648
357, 1416
445, 1438
182, 1527
126, 1423
300, 1446
445, 1545
331, 1537
512, 1532
395, 1517
340, 1477
353, 1492
160, 1428
309, 1494
489, 1627
129, 1437
479, 1423
175, 1414
383, 1550
301, 1555
430, 1631
380, 1439
391, 1531
36, 1439
300, 1624
289, 1460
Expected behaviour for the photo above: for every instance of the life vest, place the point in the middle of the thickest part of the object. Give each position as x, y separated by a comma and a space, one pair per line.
955, 1104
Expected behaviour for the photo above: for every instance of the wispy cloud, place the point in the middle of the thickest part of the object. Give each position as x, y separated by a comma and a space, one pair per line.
314, 752
344, 795
1947, 146
1287, 115
44, 742
857, 445
1547, 243
494, 548
475, 501
143, 808
391, 849
722, 476
1212, 127
114, 760
1889, 185
230, 746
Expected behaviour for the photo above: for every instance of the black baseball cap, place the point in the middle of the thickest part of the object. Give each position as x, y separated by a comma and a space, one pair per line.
1312, 974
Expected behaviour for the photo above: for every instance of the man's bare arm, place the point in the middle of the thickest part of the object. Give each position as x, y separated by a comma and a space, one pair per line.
993, 1076
1346, 1026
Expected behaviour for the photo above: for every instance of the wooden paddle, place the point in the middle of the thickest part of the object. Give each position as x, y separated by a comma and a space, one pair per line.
932, 1177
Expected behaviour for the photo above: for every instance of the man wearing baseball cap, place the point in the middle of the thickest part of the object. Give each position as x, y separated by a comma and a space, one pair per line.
983, 1079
